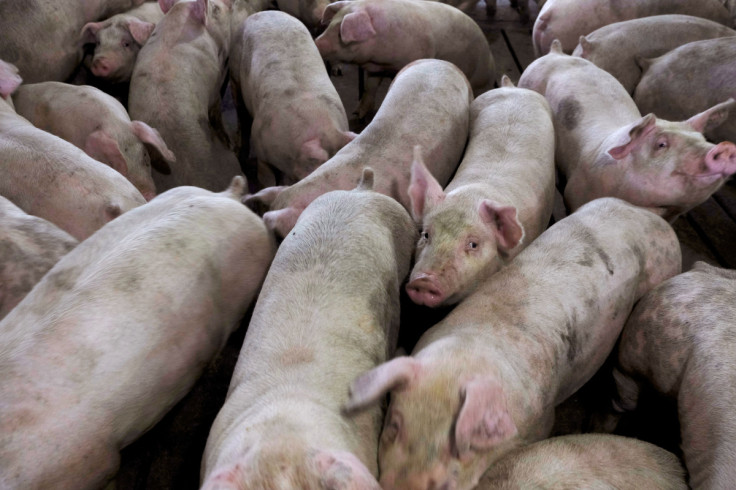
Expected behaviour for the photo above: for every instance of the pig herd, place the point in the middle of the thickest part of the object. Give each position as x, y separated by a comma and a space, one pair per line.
114, 300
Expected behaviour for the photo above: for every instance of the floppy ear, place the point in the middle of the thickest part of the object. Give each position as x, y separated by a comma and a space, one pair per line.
424, 190
153, 141
711, 118
356, 27
483, 420
503, 222
261, 201
369, 388
166, 5
89, 32
632, 135
331, 10
140, 30
104, 148
9, 79
281, 221
585, 46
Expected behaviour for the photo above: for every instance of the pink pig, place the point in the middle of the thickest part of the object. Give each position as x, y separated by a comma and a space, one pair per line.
499, 200
486, 378
606, 148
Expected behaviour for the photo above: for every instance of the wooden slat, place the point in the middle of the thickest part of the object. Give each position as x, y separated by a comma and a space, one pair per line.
503, 58
710, 220
726, 197
522, 47
693, 247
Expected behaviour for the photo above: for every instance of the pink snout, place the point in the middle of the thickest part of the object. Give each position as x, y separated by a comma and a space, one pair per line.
101, 67
721, 159
424, 290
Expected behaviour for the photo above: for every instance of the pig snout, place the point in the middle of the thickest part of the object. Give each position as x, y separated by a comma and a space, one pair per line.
721, 160
101, 67
424, 289
148, 195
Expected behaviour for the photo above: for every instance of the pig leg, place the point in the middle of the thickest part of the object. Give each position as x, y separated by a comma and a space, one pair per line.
523, 9
627, 392
367, 103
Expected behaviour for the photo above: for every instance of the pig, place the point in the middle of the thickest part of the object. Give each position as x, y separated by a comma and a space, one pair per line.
427, 104
308, 11
29, 247
710, 66
119, 330
586, 461
175, 88
42, 38
281, 425
98, 124
381, 35
299, 121
10, 80
606, 148
567, 20
499, 200
616, 47
50, 178
486, 379
680, 340
118, 40
520, 6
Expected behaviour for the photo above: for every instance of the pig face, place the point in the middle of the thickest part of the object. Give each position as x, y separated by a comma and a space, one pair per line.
117, 43
666, 166
350, 33
441, 429
464, 239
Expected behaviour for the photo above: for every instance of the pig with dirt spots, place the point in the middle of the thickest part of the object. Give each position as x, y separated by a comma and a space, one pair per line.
567, 20
499, 200
688, 80
616, 47
299, 121
175, 88
328, 310
42, 38
50, 178
680, 340
118, 40
119, 330
606, 148
29, 247
386, 35
599, 461
308, 11
427, 105
98, 124
487, 378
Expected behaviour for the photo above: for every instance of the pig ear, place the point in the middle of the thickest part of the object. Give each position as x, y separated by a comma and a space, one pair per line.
312, 149
585, 46
89, 32
504, 223
341, 470
424, 190
237, 187
366, 180
9, 79
642, 62
483, 420
506, 82
713, 117
369, 388
631, 136
102, 147
261, 201
282, 221
356, 27
140, 30
232, 477
166, 5
198, 10
153, 141
556, 47
331, 10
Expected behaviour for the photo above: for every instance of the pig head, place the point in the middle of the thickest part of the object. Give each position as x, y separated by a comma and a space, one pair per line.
463, 239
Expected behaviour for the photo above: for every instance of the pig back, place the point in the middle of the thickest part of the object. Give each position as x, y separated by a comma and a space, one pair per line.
118, 332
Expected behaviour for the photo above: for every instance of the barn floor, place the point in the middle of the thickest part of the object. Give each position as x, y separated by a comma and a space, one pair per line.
169, 455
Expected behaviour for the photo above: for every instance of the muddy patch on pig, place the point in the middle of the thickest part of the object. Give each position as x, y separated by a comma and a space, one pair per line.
568, 112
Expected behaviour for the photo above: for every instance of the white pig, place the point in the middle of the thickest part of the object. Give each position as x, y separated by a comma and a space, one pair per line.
680, 340
616, 47
486, 378
592, 461
175, 87
329, 309
97, 123
499, 200
118, 40
688, 80
606, 148
567, 20
299, 121
119, 330
427, 104
29, 247
48, 177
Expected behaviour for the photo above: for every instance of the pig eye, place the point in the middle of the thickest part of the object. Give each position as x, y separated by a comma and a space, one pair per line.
126, 44
472, 245
662, 144
425, 235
